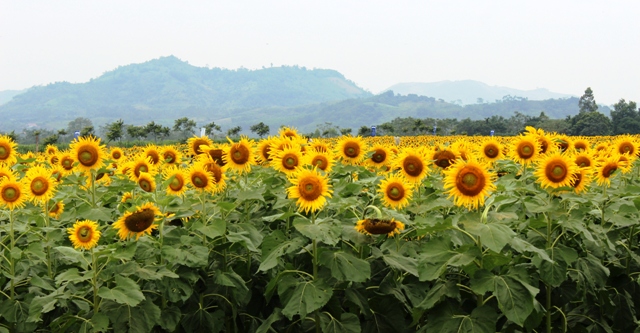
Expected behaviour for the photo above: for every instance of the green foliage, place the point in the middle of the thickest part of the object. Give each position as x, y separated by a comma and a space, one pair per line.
260, 129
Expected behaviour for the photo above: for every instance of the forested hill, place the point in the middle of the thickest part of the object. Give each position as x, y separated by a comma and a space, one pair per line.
168, 88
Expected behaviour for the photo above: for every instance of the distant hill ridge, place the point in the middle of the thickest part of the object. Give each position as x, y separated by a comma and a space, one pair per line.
467, 92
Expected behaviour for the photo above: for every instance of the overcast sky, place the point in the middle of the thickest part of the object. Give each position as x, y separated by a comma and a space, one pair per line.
564, 46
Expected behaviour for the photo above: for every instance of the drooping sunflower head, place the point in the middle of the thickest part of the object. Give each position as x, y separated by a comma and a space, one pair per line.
146, 182
375, 226
138, 222
555, 170
606, 169
51, 150
380, 156
469, 183
626, 162
116, 154
524, 149
56, 209
288, 160
138, 165
84, 234
12, 194
584, 159
411, 163
195, 142
582, 178
171, 155
88, 152
126, 196
153, 154
7, 151
200, 178
240, 156
563, 142
310, 188
177, 179
626, 145
264, 150
289, 133
320, 160
443, 157
491, 149
351, 149
395, 192
218, 174
39, 184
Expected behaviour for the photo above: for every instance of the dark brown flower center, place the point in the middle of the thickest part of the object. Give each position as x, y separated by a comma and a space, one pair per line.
444, 158
583, 161
88, 155
84, 234
4, 152
556, 171
525, 150
145, 184
351, 149
290, 161
413, 166
39, 186
10, 193
310, 188
379, 227
470, 181
609, 169
176, 183
491, 151
239, 154
379, 156
139, 221
199, 180
395, 191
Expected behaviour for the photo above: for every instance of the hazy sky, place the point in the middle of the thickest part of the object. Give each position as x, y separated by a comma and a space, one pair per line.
564, 46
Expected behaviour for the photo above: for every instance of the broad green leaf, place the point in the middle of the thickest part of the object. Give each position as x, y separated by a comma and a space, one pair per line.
434, 260
254, 193
348, 323
307, 297
44, 304
71, 255
266, 324
447, 320
437, 293
70, 275
553, 272
407, 264
214, 229
274, 246
170, 318
137, 319
231, 279
492, 235
41, 283
126, 292
594, 272
521, 246
99, 322
326, 231
345, 266
358, 298
246, 235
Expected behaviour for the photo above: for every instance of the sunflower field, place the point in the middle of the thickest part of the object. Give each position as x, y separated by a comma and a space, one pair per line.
533, 233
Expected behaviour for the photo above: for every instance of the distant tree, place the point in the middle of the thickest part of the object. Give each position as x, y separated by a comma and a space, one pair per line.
51, 139
387, 128
625, 118
79, 124
234, 131
589, 123
136, 132
260, 128
37, 135
12, 135
115, 130
186, 126
587, 102
364, 130
211, 127
157, 130
345, 131
87, 131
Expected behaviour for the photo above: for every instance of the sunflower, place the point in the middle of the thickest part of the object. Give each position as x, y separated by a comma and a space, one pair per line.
171, 155
217, 172
563, 142
138, 222
7, 150
524, 149
126, 196
555, 170
583, 159
146, 182
491, 149
53, 159
84, 234
606, 168
395, 193
12, 194
139, 165
177, 180
410, 161
351, 149
581, 179
626, 145
264, 150
51, 150
195, 142
319, 146
66, 162
380, 227
468, 182
581, 144
310, 188
443, 157
7, 173
56, 210
289, 133
380, 156
152, 153
288, 160
116, 153
200, 178
626, 162
57, 172
39, 184
240, 156
88, 152
321, 160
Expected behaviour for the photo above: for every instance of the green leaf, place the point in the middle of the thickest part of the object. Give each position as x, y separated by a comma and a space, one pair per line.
126, 292
493, 235
324, 230
437, 293
274, 246
70, 275
345, 266
138, 319
44, 304
246, 235
266, 324
41, 283
348, 323
521, 246
437, 256
447, 320
515, 298
407, 264
215, 228
307, 297
594, 272
553, 272
71, 255
99, 322
170, 318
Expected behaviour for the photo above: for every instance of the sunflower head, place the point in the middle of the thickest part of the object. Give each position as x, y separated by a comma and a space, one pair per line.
40, 185
375, 226
555, 170
380, 156
606, 169
171, 155
351, 149
581, 145
468, 182
320, 160
12, 194
138, 165
146, 182
56, 209
491, 149
7, 150
195, 142
443, 157
152, 153
177, 180
289, 133
137, 222
240, 155
88, 152
524, 149
84, 234
310, 188
395, 192
116, 153
7, 173
51, 150
626, 145
411, 163
200, 178
581, 179
287, 160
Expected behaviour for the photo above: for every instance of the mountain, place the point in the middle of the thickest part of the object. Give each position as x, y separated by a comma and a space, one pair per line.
167, 88
7, 95
469, 92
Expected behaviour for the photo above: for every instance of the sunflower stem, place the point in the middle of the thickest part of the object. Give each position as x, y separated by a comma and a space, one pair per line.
93, 188
94, 281
45, 206
12, 266
548, 287
480, 297
631, 239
